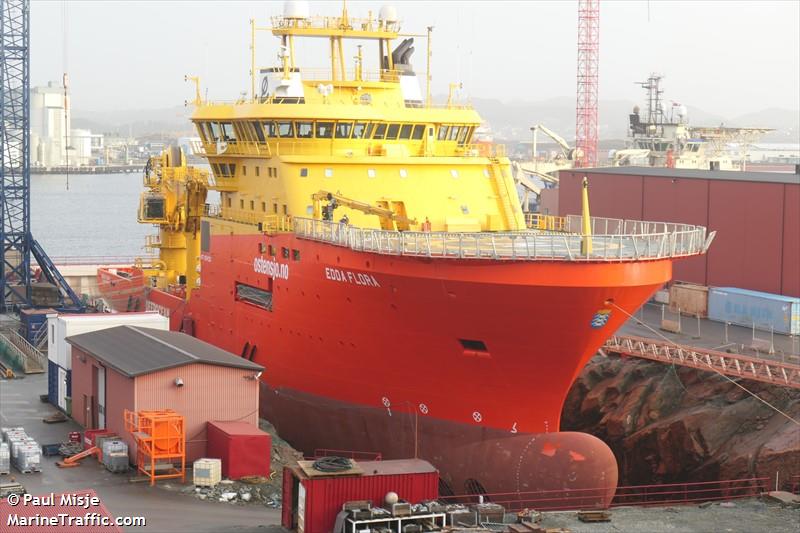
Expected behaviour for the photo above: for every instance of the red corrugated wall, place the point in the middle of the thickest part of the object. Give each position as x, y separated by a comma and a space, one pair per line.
209, 393
748, 219
758, 224
678, 200
791, 241
325, 496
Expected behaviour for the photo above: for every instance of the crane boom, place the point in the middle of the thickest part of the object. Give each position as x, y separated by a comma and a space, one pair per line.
386, 214
556, 137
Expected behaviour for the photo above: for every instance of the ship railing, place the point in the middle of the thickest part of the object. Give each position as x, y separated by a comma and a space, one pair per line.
232, 147
273, 223
673, 240
324, 74
333, 23
347, 148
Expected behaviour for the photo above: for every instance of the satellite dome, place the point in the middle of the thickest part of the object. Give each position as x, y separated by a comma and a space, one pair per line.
636, 110
295, 9
391, 498
388, 13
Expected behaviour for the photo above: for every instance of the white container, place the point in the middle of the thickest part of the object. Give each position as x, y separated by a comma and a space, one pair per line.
28, 458
5, 458
111, 446
62, 326
207, 472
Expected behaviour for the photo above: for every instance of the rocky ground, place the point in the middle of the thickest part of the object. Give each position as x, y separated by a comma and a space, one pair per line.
673, 424
253, 491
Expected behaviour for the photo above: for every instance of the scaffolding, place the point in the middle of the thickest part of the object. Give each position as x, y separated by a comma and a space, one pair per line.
160, 443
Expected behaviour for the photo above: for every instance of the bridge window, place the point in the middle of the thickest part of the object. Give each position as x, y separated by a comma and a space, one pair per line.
419, 132
305, 130
370, 129
286, 129
405, 131
324, 130
264, 207
228, 135
343, 130
453, 133
252, 205
241, 204
275, 209
255, 295
259, 132
244, 170
391, 132
213, 127
358, 130
272, 128
380, 131
304, 172
462, 135
258, 171
443, 132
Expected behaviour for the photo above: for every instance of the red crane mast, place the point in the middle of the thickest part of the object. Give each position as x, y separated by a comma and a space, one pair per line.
588, 59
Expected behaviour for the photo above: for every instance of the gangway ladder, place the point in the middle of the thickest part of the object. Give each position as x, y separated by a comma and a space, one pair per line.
729, 364
509, 203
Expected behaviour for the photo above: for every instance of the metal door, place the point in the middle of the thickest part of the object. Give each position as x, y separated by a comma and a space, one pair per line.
62, 389
101, 398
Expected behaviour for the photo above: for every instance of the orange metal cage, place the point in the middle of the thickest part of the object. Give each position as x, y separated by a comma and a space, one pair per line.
160, 443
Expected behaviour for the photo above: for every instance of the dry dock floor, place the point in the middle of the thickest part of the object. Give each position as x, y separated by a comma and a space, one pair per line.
163, 509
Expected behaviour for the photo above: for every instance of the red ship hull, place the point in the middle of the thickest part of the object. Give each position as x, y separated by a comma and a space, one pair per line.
465, 363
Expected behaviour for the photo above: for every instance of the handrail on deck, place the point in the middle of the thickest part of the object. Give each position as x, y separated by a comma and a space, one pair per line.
613, 240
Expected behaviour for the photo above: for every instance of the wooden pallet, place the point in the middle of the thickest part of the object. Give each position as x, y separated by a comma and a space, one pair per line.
594, 516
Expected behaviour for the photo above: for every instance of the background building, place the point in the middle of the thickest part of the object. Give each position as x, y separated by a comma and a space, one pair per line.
756, 216
50, 124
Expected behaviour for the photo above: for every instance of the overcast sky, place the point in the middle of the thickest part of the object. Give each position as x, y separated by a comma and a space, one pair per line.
726, 57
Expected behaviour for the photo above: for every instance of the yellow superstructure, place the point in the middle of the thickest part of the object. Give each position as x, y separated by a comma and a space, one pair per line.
368, 136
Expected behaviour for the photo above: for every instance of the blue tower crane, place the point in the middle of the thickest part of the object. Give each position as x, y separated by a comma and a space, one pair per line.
18, 245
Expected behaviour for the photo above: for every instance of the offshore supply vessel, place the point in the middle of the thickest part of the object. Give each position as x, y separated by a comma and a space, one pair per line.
377, 263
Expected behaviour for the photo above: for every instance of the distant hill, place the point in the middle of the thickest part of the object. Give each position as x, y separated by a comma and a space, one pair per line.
137, 123
510, 121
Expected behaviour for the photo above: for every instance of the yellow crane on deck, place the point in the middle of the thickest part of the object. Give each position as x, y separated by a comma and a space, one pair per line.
390, 213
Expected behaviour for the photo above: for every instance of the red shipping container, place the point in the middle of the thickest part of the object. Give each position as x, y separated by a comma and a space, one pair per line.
244, 449
310, 504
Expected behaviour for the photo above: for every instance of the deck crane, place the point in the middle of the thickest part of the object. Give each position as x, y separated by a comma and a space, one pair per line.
18, 245
389, 213
544, 171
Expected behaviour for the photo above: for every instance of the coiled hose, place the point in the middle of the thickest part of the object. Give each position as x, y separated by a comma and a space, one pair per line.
333, 464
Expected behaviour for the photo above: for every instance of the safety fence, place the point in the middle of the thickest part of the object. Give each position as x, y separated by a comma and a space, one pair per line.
633, 495
616, 240
126, 260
